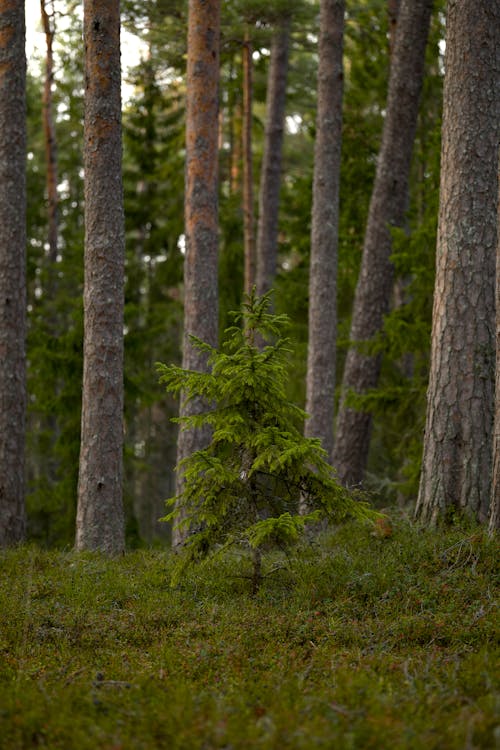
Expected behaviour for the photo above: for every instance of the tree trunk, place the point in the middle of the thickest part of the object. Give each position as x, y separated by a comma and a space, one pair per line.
50, 136
494, 520
236, 148
201, 213
387, 209
267, 231
456, 468
320, 384
100, 518
12, 271
248, 212
51, 182
392, 11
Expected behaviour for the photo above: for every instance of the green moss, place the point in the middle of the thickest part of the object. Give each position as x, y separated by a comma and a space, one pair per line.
357, 642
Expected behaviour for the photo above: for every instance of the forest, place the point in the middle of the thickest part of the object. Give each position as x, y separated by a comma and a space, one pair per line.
249, 373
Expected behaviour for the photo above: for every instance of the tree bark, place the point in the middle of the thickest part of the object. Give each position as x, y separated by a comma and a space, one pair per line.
12, 271
387, 209
320, 385
201, 213
50, 134
392, 11
494, 519
456, 468
100, 518
267, 230
248, 210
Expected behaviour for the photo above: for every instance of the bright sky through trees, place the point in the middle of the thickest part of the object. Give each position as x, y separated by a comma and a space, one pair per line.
35, 42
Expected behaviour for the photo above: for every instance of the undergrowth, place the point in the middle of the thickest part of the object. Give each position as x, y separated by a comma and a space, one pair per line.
357, 640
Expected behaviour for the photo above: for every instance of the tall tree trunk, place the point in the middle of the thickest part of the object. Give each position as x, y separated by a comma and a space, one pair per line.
50, 133
201, 213
320, 384
51, 181
392, 11
399, 294
234, 125
248, 210
387, 209
12, 271
494, 519
456, 468
100, 518
267, 230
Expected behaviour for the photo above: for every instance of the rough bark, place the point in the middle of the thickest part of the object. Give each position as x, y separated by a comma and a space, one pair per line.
100, 518
12, 271
320, 385
392, 11
267, 229
456, 468
201, 211
50, 134
248, 211
494, 520
387, 209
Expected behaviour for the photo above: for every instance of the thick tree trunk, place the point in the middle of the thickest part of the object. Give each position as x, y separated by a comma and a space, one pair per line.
387, 209
201, 212
494, 519
100, 518
50, 134
248, 211
456, 469
267, 230
320, 384
12, 271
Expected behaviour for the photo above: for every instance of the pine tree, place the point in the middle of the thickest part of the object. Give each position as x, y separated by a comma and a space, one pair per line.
388, 205
100, 520
270, 180
244, 489
456, 465
494, 512
324, 234
201, 207
12, 271
48, 21
248, 201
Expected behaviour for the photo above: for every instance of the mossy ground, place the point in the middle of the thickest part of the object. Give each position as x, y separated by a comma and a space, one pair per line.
359, 642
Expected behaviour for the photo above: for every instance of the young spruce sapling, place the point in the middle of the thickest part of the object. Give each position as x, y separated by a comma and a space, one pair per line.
245, 488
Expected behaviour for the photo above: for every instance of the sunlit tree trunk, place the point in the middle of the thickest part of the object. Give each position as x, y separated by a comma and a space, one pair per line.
456, 468
100, 518
248, 210
12, 271
387, 209
201, 212
267, 230
320, 384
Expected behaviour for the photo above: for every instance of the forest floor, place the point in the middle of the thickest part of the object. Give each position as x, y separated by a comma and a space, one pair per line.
360, 641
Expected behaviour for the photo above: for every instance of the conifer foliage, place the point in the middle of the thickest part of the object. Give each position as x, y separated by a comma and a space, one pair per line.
244, 488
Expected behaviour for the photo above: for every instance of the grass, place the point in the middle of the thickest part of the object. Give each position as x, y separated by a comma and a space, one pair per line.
359, 642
